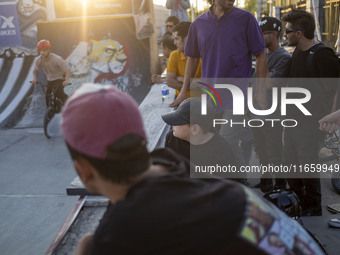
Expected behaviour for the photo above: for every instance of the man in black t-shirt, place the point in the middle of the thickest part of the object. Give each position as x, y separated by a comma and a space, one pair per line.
302, 143
155, 207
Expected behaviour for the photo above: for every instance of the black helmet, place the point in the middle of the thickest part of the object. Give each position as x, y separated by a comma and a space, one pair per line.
285, 200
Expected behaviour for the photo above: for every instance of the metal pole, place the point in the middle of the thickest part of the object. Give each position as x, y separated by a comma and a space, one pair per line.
337, 43
317, 25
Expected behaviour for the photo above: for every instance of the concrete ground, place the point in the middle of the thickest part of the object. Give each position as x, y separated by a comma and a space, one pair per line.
35, 172
33, 202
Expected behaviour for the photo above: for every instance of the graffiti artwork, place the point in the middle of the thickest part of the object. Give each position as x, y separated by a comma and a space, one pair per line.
29, 13
103, 61
102, 49
106, 52
108, 59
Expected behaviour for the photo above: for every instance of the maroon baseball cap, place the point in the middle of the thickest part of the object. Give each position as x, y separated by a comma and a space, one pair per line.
95, 116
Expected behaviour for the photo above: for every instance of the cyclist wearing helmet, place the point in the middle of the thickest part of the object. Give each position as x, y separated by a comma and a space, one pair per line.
55, 67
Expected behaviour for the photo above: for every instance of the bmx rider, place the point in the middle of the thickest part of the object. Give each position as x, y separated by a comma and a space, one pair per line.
56, 69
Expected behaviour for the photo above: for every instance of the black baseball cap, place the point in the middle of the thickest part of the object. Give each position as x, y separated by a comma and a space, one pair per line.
189, 112
270, 24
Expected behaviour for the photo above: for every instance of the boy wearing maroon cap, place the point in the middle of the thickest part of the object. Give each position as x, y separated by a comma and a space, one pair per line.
155, 207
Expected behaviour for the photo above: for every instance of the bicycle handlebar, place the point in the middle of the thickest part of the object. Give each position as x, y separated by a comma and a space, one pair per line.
45, 85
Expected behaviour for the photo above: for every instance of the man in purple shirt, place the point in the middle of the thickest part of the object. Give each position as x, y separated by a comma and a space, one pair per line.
225, 38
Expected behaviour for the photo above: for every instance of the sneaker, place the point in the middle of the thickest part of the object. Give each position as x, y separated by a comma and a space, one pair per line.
335, 223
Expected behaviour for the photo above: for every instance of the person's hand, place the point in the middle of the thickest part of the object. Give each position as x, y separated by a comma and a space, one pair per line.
84, 245
156, 78
260, 94
330, 122
180, 78
34, 82
66, 82
179, 99
329, 127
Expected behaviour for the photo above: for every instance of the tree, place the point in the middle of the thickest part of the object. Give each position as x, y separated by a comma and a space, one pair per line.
250, 5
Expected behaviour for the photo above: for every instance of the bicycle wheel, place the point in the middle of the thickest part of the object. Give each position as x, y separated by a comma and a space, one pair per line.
336, 181
48, 116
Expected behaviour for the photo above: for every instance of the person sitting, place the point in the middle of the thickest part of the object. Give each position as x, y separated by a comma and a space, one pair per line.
168, 46
155, 207
170, 22
177, 61
194, 137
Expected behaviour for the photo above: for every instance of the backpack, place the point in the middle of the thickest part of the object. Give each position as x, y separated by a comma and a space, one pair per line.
311, 66
316, 48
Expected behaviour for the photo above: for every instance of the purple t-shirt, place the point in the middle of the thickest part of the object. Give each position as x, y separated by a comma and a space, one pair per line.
226, 46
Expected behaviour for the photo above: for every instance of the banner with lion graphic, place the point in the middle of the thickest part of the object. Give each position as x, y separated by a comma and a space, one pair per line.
104, 51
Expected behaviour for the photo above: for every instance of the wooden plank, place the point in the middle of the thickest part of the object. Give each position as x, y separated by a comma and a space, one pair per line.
68, 223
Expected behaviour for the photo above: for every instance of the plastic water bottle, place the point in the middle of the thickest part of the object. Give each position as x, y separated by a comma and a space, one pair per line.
165, 91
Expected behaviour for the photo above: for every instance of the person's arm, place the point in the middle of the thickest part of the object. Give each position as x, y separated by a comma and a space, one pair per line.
261, 65
330, 122
84, 245
35, 72
158, 79
279, 70
173, 81
67, 77
261, 73
35, 76
190, 70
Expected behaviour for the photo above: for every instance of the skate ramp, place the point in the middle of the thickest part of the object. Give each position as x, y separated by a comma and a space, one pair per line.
15, 74
109, 53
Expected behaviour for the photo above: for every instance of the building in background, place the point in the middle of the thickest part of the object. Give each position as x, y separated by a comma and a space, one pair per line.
161, 14
326, 12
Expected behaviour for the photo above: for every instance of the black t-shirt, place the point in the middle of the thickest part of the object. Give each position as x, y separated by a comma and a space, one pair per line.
324, 64
173, 214
215, 151
321, 69
180, 146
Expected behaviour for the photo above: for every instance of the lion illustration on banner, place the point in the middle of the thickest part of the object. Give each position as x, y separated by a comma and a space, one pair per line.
105, 61
108, 59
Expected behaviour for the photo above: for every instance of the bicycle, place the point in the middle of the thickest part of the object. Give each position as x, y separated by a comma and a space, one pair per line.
54, 106
332, 142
